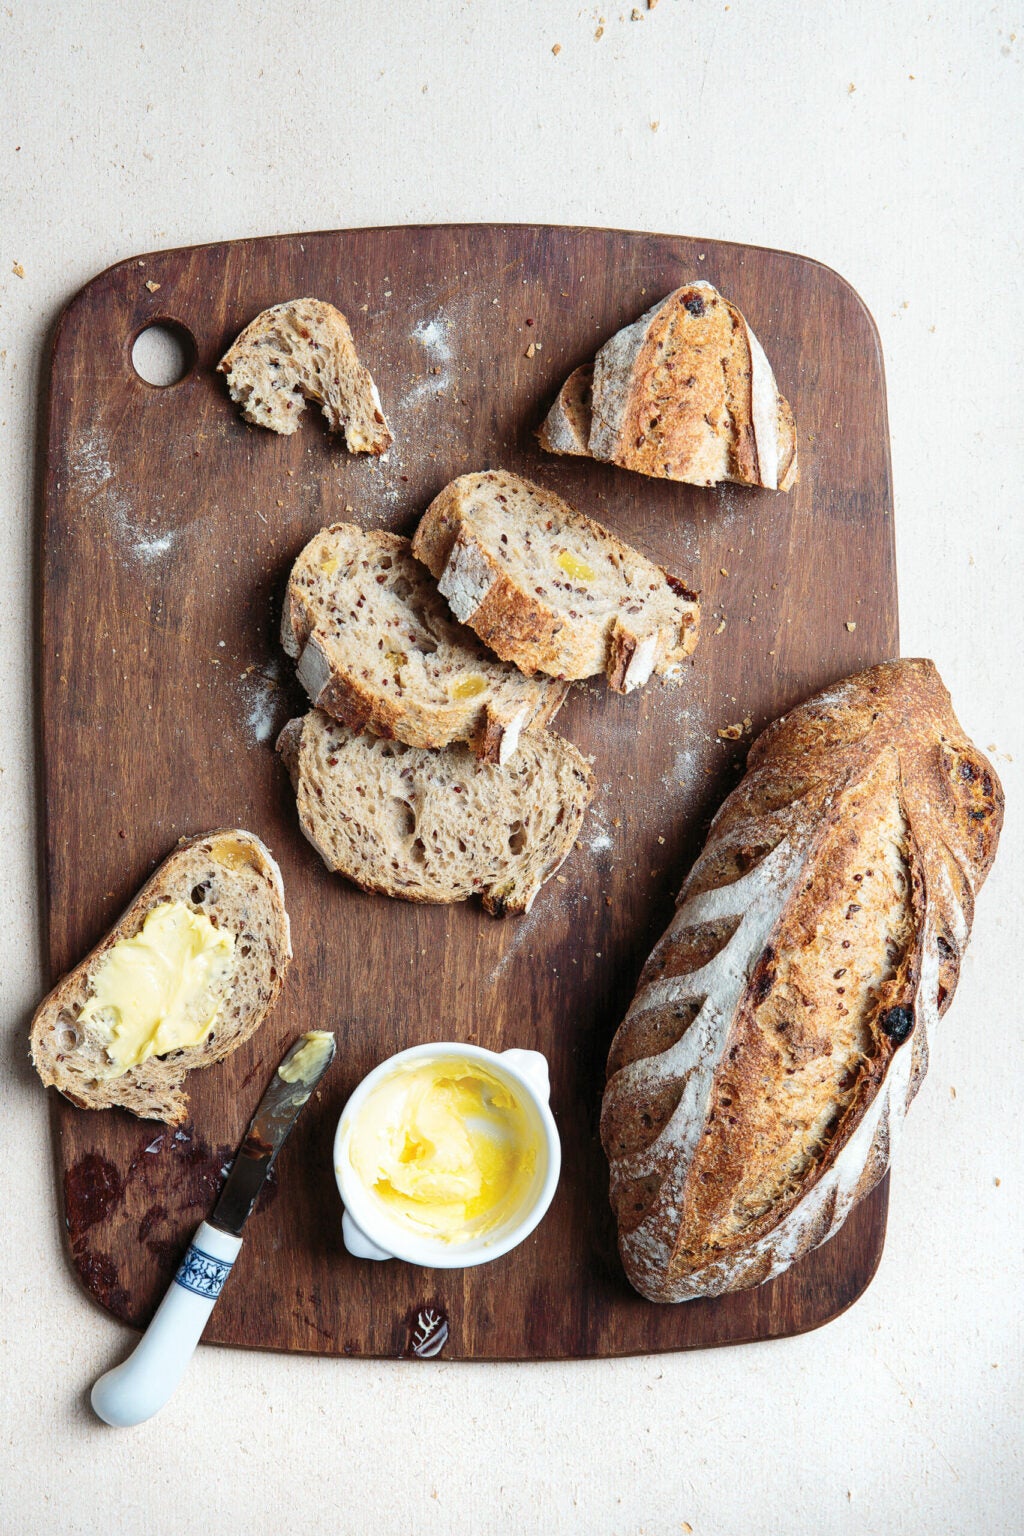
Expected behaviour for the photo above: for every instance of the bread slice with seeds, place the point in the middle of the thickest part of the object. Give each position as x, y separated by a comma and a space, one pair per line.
550, 589
298, 351
685, 393
436, 826
231, 883
377, 648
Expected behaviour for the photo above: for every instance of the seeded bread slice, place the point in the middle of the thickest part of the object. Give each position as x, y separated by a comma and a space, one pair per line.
300, 351
377, 648
550, 589
436, 826
231, 877
685, 393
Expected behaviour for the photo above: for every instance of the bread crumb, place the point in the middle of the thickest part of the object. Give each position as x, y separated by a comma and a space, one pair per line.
556, 50
723, 570
721, 626
997, 1182
851, 625
599, 34
651, 4
616, 821
952, 1091
530, 351
850, 88
661, 840
17, 269
634, 15
656, 125
731, 732
562, 879
153, 287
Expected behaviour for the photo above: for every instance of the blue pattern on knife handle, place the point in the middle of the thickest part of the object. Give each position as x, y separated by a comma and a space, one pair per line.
202, 1273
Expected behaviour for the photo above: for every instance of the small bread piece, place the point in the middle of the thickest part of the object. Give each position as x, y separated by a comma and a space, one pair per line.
567, 426
436, 826
550, 589
780, 1029
231, 877
685, 393
377, 648
300, 351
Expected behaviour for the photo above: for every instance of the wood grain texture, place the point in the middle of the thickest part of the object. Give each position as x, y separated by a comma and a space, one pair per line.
168, 530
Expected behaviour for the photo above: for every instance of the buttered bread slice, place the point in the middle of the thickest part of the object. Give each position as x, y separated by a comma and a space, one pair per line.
550, 589
377, 648
185, 977
436, 826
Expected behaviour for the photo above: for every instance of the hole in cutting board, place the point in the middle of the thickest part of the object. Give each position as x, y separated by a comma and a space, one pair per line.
163, 354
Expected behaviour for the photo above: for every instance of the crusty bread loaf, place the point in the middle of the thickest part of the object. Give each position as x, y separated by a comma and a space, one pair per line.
436, 826
685, 393
377, 648
231, 877
298, 351
780, 1029
550, 589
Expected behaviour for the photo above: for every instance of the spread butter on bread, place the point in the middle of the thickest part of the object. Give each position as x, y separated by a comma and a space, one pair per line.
550, 589
225, 888
436, 826
684, 393
780, 1028
298, 351
377, 648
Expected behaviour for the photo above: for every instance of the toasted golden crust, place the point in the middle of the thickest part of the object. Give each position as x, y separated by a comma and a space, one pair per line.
230, 875
780, 1028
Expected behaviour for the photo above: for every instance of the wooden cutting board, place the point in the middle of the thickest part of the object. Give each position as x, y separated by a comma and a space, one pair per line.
169, 527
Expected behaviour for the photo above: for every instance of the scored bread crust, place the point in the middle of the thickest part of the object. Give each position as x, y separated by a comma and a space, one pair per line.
436, 826
780, 1029
231, 876
298, 351
494, 540
376, 647
684, 393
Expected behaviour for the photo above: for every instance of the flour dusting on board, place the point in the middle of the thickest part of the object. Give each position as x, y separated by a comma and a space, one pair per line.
434, 337
263, 701
89, 463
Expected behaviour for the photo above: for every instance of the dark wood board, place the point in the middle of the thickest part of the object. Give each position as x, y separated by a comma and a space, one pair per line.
168, 530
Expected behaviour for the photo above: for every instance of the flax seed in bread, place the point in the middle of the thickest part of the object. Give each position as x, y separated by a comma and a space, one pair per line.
377, 648
436, 826
298, 351
231, 879
685, 393
780, 1029
551, 590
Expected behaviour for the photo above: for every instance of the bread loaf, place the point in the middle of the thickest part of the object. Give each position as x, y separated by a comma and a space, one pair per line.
300, 351
230, 878
550, 589
377, 648
685, 393
436, 826
780, 1029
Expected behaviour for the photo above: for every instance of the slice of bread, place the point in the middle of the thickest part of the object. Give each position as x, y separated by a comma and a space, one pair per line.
377, 648
436, 826
550, 589
231, 877
567, 427
685, 393
300, 351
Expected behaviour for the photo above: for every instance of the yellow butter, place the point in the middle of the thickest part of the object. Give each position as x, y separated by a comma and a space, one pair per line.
316, 1047
577, 569
161, 989
329, 564
446, 1148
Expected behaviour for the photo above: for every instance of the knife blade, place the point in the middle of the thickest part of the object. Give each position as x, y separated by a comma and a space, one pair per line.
138, 1388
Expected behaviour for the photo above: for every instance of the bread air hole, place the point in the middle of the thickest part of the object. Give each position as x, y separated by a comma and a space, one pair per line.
66, 1035
517, 837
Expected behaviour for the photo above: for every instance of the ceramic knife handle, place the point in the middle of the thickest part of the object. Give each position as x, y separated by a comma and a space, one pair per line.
134, 1391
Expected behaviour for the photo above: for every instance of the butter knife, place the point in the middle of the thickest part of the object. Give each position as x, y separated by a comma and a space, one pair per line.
139, 1388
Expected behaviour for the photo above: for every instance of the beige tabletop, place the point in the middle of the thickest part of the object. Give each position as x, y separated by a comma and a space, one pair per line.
883, 139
